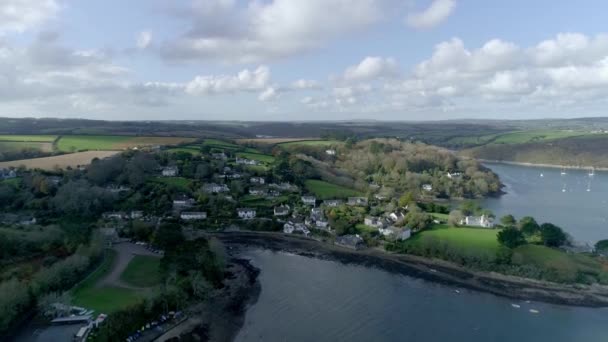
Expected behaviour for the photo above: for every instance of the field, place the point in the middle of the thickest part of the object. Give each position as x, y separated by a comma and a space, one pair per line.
103, 299
187, 149
534, 136
272, 141
180, 183
72, 143
264, 158
219, 144
325, 190
255, 201
321, 143
142, 271
63, 161
28, 138
14, 146
468, 241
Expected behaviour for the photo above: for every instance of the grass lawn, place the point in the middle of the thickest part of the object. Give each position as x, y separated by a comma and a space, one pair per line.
13, 146
71, 143
220, 144
264, 158
103, 299
15, 182
534, 136
142, 271
255, 201
326, 190
469, 241
310, 143
192, 150
440, 217
28, 138
180, 183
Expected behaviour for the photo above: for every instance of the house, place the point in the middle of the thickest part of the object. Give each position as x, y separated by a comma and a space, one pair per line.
244, 161
332, 203
380, 197
291, 227
330, 152
396, 216
109, 234
55, 180
114, 215
427, 187
350, 241
283, 186
322, 223
183, 202
27, 220
316, 213
233, 176
245, 213
358, 201
170, 171
404, 234
257, 180
282, 210
477, 221
274, 193
452, 175
219, 156
258, 192
113, 188
193, 215
388, 231
374, 221
309, 200
7, 173
215, 188
136, 214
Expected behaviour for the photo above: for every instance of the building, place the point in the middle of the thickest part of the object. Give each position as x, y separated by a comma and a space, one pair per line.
219, 156
309, 200
322, 223
258, 192
213, 188
193, 215
7, 174
170, 171
244, 161
477, 221
357, 201
380, 197
404, 234
374, 221
427, 187
245, 213
257, 180
291, 227
388, 231
117, 189
114, 215
453, 175
274, 193
350, 241
183, 202
332, 203
396, 216
136, 214
330, 152
233, 176
282, 210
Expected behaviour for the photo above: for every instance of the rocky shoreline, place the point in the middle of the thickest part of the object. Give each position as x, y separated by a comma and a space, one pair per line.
429, 269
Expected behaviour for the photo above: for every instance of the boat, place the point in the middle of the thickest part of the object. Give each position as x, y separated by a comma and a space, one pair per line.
457, 291
534, 311
517, 306
563, 173
592, 172
541, 175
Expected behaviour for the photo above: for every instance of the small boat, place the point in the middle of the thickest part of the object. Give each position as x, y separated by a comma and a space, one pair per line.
592, 172
528, 301
515, 306
457, 291
563, 190
541, 175
563, 173
534, 311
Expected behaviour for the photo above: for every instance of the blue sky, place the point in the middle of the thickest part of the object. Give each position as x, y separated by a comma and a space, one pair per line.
302, 60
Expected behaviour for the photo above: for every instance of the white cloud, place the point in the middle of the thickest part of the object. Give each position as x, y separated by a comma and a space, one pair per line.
371, 68
268, 94
245, 80
144, 39
305, 84
435, 14
22, 15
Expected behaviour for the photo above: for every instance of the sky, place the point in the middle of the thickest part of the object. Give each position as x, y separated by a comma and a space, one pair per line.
300, 60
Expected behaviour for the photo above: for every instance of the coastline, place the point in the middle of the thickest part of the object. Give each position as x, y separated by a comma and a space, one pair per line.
553, 166
434, 270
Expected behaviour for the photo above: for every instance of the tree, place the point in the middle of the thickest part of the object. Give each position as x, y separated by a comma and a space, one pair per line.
528, 226
552, 235
508, 221
455, 217
417, 219
511, 237
406, 199
469, 208
601, 247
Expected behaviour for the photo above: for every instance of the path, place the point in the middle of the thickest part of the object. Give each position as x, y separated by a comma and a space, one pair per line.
124, 254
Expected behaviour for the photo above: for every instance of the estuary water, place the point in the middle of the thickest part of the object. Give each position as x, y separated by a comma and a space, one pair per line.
575, 201
307, 299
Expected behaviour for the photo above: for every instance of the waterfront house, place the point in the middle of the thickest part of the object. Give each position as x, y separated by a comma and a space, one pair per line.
291, 227
193, 215
332, 203
405, 234
350, 241
282, 210
357, 201
257, 180
170, 171
246, 213
388, 231
477, 221
309, 200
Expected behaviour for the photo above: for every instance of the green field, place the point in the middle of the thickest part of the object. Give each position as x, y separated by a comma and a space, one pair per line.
28, 138
440, 217
142, 271
468, 241
534, 136
264, 158
326, 190
103, 299
187, 149
180, 183
71, 143
13, 146
321, 143
219, 144
255, 201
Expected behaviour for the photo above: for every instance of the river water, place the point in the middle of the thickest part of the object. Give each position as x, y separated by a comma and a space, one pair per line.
307, 299
581, 213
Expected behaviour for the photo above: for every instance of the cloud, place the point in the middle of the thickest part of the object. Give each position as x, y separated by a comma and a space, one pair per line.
305, 84
245, 80
268, 94
435, 14
144, 39
371, 68
22, 15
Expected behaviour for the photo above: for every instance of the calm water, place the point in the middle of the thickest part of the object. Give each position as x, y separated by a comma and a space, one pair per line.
306, 299
582, 213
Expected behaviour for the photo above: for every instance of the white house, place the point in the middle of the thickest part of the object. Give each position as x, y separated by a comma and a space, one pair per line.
220, 156
290, 228
215, 188
427, 187
282, 210
170, 171
193, 215
136, 214
358, 201
330, 152
116, 189
7, 173
388, 231
404, 234
257, 180
477, 221
245, 213
115, 215
183, 202
233, 175
332, 203
373, 221
453, 175
244, 161
258, 192
309, 200
396, 216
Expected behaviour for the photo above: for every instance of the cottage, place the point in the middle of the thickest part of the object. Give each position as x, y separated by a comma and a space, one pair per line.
136, 214
357, 201
233, 176
7, 174
427, 187
309, 200
257, 180
404, 234
219, 156
55, 180
374, 221
245, 213
110, 235
283, 186
258, 192
114, 215
170, 171
477, 221
244, 161
380, 197
316, 213
183, 202
215, 188
282, 210
332, 203
274, 193
330, 152
453, 175
117, 188
350, 241
322, 223
27, 220
193, 215
291, 227
388, 231
396, 216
